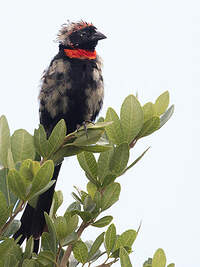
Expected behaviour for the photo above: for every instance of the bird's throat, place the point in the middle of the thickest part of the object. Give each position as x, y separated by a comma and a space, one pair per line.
80, 53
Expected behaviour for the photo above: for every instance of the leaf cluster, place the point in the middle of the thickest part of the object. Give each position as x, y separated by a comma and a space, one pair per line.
27, 168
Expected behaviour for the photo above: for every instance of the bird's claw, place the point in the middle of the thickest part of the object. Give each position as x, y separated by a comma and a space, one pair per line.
84, 124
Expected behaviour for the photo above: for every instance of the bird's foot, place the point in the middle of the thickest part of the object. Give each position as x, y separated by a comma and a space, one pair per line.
84, 124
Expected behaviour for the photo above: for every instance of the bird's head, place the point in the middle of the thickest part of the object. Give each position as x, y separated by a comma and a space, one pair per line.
80, 35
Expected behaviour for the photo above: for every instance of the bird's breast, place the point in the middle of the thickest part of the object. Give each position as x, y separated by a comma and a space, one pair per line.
72, 90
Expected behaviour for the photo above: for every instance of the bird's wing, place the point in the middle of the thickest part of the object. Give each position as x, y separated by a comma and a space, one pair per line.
55, 82
53, 99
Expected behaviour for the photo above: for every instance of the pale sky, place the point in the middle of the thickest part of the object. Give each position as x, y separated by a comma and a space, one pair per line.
151, 46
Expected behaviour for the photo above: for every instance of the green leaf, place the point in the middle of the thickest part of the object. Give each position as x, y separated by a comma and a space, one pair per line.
96, 245
103, 164
26, 170
70, 239
92, 126
32, 199
4, 210
46, 241
119, 159
126, 239
4, 141
91, 188
171, 265
74, 206
17, 184
149, 127
124, 258
29, 248
93, 135
115, 253
46, 258
12, 228
159, 258
110, 178
114, 131
52, 232
80, 252
110, 195
110, 238
100, 125
103, 221
40, 141
10, 197
42, 177
88, 163
61, 227
57, 136
30, 263
96, 148
77, 198
72, 222
85, 215
161, 103
148, 263
131, 117
57, 200
5, 246
65, 151
88, 204
100, 119
97, 200
166, 116
10, 252
148, 110
35, 166
10, 160
22, 146
135, 161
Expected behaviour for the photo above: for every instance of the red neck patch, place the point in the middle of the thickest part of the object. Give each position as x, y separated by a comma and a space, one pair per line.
80, 53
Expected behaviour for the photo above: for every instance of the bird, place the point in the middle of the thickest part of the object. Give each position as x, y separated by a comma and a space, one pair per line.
72, 89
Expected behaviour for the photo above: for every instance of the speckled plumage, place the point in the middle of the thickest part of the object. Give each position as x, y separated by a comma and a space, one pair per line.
71, 89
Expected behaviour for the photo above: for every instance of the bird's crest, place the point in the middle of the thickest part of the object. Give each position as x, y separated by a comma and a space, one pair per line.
69, 27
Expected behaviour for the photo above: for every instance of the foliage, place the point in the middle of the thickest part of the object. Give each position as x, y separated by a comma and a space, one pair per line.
27, 168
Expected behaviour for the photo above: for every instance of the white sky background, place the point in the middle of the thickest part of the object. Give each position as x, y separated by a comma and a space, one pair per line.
152, 46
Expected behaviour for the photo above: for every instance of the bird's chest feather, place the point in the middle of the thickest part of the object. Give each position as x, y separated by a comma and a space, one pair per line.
73, 90
87, 86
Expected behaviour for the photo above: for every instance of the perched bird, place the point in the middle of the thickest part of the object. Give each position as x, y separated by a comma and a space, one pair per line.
72, 89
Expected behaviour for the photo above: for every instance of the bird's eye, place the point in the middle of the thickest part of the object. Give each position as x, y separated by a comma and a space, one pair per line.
83, 34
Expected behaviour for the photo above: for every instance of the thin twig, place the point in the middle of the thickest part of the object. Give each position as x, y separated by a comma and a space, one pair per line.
133, 142
58, 253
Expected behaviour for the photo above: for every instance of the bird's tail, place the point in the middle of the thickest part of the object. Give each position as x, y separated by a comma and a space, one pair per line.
33, 220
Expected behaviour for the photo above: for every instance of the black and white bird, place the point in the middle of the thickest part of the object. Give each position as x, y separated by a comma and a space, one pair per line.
72, 89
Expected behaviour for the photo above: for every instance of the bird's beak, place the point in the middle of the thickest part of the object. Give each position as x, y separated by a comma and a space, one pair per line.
98, 36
